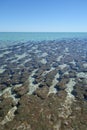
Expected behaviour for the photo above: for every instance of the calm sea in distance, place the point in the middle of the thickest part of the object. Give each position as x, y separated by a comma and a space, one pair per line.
10, 38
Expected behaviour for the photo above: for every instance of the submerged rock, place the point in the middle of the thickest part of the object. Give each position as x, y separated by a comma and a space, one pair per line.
42, 92
43, 85
20, 91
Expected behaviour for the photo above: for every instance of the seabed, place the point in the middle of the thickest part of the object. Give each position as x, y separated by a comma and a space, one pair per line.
43, 85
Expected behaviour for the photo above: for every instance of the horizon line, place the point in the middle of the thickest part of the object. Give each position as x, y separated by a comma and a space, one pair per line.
43, 32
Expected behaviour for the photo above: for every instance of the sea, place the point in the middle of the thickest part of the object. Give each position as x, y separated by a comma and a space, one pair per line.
43, 58
43, 80
11, 38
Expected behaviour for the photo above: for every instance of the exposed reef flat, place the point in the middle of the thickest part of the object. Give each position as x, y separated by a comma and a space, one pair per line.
43, 85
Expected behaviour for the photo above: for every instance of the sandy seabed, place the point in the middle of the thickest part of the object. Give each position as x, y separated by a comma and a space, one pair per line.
43, 85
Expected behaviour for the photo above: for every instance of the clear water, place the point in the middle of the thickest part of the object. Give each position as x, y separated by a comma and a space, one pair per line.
7, 38
44, 62
58, 67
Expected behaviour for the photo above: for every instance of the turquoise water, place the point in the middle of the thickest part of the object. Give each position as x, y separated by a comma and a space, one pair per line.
11, 36
7, 38
44, 64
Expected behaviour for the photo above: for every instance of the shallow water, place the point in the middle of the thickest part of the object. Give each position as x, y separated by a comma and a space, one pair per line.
40, 65
66, 54
11, 38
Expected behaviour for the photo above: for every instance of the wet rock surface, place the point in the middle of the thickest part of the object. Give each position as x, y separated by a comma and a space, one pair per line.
43, 85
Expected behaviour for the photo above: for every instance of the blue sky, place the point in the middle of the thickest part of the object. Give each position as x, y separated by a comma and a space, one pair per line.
43, 15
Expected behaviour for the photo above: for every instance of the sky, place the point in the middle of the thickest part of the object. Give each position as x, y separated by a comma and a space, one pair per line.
43, 15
